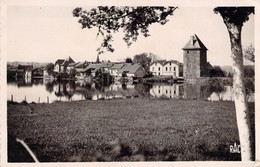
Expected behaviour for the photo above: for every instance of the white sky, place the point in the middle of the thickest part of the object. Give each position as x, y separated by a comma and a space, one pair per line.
45, 34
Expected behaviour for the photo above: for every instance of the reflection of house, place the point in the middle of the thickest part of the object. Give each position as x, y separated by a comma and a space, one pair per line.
25, 71
167, 68
115, 68
167, 91
194, 59
132, 70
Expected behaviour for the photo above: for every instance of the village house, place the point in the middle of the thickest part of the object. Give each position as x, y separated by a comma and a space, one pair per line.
194, 59
115, 68
167, 68
71, 66
57, 65
92, 69
81, 65
24, 71
65, 64
132, 71
38, 72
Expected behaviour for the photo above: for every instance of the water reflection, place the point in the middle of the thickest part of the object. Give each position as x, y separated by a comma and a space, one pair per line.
39, 90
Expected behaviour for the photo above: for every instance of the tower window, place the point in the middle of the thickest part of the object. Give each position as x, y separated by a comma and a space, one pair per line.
158, 68
188, 51
166, 68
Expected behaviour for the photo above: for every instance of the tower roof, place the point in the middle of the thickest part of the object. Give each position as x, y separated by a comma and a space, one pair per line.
194, 43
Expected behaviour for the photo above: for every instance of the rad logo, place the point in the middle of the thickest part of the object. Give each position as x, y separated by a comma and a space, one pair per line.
235, 148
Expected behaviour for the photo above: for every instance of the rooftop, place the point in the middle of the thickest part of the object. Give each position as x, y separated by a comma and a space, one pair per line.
194, 43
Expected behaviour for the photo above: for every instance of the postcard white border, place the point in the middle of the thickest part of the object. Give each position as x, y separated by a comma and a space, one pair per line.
187, 3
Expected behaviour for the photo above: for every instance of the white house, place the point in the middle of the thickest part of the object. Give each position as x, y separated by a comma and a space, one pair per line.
167, 68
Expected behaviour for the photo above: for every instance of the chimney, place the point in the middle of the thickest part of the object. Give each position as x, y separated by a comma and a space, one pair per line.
191, 40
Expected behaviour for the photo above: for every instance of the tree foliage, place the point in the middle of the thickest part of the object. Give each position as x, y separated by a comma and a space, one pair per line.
50, 67
235, 15
128, 60
131, 20
142, 59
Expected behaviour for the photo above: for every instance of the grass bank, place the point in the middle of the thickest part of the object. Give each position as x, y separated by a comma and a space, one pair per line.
127, 130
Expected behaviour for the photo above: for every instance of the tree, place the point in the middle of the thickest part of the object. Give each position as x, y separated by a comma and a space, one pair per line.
128, 60
216, 72
131, 20
142, 59
249, 53
50, 67
234, 18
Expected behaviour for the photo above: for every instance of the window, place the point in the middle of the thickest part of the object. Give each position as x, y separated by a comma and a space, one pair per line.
159, 73
166, 68
188, 52
170, 69
174, 68
166, 92
159, 69
159, 91
170, 64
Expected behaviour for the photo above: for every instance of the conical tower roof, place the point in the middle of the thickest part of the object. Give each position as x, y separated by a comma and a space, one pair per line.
194, 43
97, 61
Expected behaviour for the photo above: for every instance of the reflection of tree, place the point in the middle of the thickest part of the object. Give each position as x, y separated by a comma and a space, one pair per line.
203, 90
49, 86
124, 87
143, 89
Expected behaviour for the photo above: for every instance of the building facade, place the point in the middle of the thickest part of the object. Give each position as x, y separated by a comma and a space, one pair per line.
166, 68
194, 59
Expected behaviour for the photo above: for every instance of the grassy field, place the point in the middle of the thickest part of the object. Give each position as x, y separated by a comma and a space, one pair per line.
127, 130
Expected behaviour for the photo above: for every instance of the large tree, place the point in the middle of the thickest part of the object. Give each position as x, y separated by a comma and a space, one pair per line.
234, 18
131, 20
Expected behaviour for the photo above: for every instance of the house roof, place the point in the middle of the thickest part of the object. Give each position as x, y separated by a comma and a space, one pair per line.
130, 68
194, 43
72, 64
164, 62
95, 67
59, 61
81, 64
68, 61
117, 66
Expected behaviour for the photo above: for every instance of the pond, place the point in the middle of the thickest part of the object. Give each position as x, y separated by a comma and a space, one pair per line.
42, 91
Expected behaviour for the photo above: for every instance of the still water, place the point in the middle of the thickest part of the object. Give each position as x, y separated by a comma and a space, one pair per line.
39, 90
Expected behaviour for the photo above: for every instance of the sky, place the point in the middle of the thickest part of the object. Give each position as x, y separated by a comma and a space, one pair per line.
48, 33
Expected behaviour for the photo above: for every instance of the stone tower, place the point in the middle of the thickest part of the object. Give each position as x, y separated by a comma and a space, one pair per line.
194, 59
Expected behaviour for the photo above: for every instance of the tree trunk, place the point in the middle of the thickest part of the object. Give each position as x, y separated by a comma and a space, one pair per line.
239, 92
